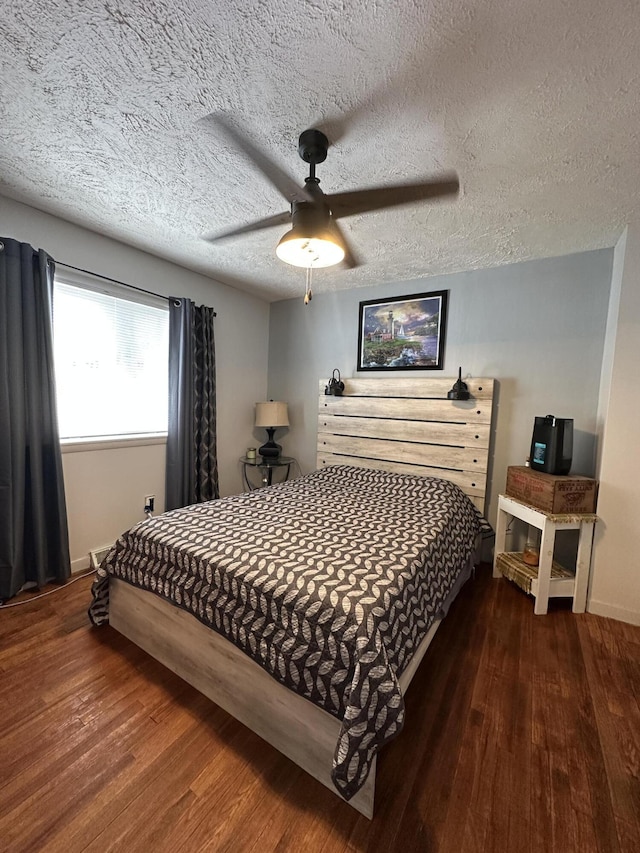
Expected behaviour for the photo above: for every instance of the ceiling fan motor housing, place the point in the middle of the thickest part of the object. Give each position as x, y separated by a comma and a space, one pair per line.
309, 216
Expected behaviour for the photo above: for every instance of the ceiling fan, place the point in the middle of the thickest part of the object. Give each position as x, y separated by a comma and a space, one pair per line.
316, 240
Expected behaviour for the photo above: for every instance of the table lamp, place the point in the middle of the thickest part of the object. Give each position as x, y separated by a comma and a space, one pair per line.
271, 415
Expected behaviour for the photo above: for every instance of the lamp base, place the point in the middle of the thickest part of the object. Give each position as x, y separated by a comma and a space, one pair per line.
270, 450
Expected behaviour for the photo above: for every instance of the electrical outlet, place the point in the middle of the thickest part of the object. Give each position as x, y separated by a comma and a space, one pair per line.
149, 503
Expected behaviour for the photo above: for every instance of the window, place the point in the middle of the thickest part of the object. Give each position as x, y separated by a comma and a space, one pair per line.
111, 349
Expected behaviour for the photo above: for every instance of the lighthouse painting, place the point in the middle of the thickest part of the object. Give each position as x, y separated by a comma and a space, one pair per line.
404, 333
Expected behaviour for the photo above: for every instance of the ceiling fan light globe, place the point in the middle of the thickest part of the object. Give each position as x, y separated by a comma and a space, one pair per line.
303, 250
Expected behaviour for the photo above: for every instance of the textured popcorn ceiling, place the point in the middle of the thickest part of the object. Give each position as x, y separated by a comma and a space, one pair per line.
534, 104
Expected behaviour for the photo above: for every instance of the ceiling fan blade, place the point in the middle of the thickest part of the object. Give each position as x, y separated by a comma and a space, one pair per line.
350, 260
267, 222
377, 198
282, 181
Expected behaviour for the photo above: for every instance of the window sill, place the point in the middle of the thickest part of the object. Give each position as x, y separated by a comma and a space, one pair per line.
110, 442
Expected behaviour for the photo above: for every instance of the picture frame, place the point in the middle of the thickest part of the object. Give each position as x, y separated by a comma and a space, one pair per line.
403, 333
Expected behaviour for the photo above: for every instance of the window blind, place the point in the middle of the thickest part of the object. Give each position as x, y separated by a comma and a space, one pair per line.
111, 362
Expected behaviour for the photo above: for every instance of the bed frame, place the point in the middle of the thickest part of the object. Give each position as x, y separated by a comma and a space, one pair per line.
409, 426
403, 425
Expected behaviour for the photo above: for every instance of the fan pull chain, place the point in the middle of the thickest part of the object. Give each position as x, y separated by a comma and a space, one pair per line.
308, 295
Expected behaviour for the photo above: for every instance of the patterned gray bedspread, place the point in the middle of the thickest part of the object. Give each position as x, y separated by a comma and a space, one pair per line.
329, 582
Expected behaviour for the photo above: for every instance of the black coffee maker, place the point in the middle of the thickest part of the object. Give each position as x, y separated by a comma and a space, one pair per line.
552, 445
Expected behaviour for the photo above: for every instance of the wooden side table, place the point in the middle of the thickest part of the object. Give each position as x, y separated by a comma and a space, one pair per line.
548, 579
266, 467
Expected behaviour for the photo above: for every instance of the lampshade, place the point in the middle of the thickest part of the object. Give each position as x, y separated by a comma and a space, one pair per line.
460, 390
308, 247
272, 414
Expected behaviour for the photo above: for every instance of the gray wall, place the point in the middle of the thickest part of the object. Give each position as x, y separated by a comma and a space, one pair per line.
536, 327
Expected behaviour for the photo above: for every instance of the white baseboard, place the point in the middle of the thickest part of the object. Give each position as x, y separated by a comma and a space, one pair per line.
611, 611
80, 565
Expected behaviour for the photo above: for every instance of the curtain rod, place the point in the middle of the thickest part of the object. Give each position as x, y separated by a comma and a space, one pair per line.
116, 281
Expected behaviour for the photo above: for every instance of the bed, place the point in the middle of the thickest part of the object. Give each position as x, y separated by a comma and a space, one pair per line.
304, 608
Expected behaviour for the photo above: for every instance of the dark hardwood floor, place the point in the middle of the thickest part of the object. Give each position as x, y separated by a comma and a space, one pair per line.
522, 734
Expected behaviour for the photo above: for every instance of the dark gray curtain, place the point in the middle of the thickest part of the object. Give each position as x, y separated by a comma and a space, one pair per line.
34, 542
192, 464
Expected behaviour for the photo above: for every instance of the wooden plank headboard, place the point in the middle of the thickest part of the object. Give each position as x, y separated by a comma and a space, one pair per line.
409, 426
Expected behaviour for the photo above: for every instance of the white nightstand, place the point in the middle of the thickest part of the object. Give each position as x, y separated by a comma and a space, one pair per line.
548, 579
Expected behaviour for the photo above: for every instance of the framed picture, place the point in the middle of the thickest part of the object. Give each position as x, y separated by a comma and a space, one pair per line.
405, 333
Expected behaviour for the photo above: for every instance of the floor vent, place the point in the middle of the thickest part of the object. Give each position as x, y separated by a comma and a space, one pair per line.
97, 556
